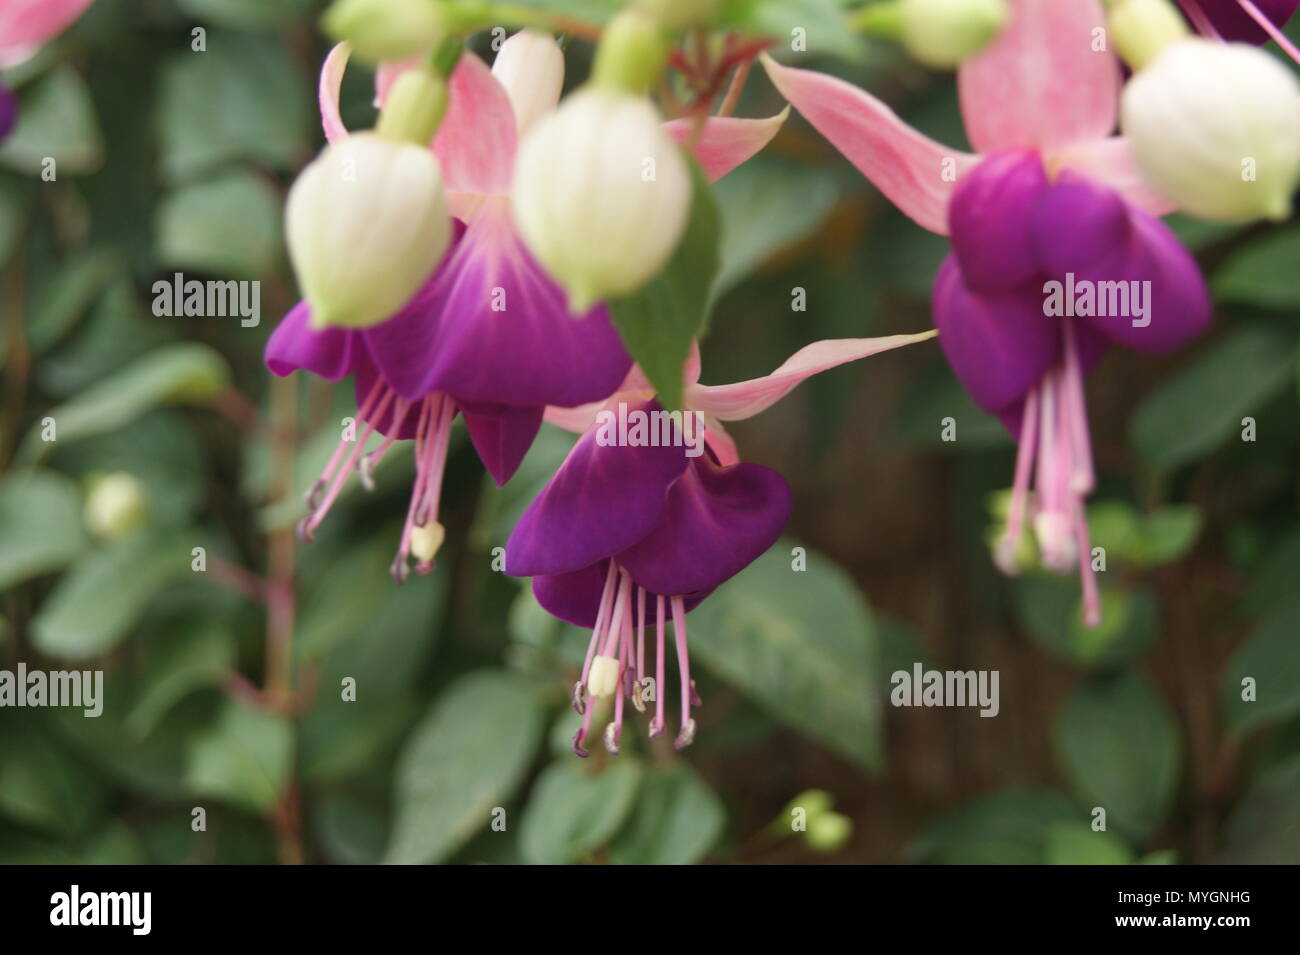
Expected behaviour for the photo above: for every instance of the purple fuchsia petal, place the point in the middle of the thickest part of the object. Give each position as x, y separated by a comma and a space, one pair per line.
1086, 230
1042, 84
8, 111
718, 521
602, 500
989, 220
1234, 23
1112, 161
492, 327
502, 435
998, 345
295, 345
1092, 345
367, 374
575, 597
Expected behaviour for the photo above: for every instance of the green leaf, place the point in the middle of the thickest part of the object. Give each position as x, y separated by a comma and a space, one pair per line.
1265, 828
241, 99
1077, 843
41, 785
68, 293
1011, 827
822, 24
1269, 658
245, 14
188, 373
802, 644
765, 207
1119, 746
1143, 540
676, 821
228, 225
572, 812
97, 602
56, 121
1197, 409
659, 322
1262, 273
465, 758
197, 656
40, 525
243, 759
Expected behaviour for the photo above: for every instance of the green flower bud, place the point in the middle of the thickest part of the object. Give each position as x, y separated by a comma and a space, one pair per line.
380, 30
1141, 29
115, 505
943, 33
829, 832
631, 54
676, 14
414, 108
1215, 127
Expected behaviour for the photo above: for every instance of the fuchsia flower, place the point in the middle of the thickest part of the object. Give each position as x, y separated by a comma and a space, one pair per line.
1052, 197
27, 25
8, 112
488, 336
619, 524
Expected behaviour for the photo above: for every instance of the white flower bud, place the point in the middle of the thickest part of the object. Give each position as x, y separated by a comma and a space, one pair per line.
602, 679
366, 224
601, 195
530, 65
942, 33
115, 505
1215, 127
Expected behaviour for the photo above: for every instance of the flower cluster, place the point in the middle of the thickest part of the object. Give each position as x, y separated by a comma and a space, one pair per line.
458, 261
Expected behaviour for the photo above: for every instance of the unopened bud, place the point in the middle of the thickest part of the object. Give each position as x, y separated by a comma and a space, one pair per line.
677, 14
601, 195
602, 679
943, 33
366, 223
829, 832
115, 505
631, 54
1142, 29
386, 29
1215, 127
530, 65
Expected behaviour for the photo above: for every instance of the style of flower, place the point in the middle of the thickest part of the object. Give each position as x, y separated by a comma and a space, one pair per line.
622, 524
1052, 201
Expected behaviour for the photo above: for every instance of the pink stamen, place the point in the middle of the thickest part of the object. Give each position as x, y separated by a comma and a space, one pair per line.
687, 733
1006, 556
308, 527
657, 724
1268, 26
1088, 577
606, 598
1199, 20
313, 496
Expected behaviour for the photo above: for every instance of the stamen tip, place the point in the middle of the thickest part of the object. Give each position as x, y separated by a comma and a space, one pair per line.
611, 739
687, 735
579, 704
577, 745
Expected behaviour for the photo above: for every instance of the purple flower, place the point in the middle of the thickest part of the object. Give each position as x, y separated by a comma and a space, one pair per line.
1051, 225
627, 521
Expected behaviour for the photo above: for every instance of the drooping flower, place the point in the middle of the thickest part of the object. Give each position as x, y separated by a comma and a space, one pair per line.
27, 25
489, 335
1048, 216
1216, 127
631, 525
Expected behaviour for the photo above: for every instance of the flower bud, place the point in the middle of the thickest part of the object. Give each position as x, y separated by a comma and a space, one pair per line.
602, 679
601, 195
366, 223
829, 832
631, 53
676, 14
942, 33
1141, 29
530, 65
115, 505
1215, 127
386, 29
